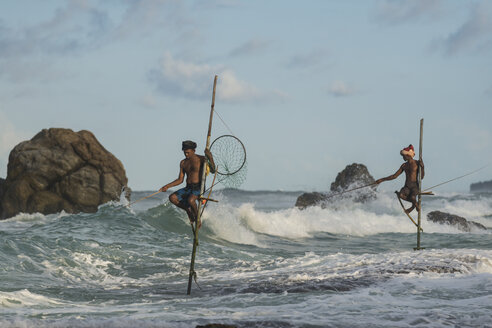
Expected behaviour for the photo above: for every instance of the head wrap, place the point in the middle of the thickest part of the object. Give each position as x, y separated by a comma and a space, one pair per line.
188, 144
408, 151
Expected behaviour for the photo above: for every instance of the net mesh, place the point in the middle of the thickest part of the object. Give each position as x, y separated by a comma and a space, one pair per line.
230, 159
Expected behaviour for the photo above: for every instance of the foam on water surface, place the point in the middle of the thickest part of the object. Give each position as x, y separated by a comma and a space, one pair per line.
260, 262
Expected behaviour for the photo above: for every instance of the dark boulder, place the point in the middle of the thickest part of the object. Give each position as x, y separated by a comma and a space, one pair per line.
353, 176
454, 220
485, 186
59, 169
310, 199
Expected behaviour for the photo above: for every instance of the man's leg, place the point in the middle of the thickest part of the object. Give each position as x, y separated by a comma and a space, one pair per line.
413, 199
408, 210
173, 198
193, 206
404, 194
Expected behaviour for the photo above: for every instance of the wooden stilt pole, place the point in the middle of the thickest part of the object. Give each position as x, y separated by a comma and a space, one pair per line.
419, 222
202, 190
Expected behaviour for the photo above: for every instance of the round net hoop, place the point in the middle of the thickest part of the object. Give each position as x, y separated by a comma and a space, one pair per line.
229, 154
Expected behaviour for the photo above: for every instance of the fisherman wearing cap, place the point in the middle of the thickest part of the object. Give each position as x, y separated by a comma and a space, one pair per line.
192, 167
410, 191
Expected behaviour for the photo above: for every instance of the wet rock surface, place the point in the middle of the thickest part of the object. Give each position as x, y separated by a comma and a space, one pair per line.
353, 176
485, 186
454, 220
59, 169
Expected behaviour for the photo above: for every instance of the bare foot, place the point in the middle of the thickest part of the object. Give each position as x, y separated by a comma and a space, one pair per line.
409, 210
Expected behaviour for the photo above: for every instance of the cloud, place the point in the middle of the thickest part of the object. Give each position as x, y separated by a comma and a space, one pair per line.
250, 47
474, 34
341, 89
176, 77
82, 26
30, 52
23, 70
71, 28
402, 11
311, 59
144, 17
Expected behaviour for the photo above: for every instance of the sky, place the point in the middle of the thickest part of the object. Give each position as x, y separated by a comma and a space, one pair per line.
308, 86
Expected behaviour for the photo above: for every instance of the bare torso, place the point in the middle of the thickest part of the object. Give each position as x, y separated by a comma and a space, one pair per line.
410, 190
410, 168
192, 168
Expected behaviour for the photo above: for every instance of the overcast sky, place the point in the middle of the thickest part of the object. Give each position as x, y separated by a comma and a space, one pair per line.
308, 86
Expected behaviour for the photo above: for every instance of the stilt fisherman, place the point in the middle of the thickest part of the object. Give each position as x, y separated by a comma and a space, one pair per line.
411, 167
192, 166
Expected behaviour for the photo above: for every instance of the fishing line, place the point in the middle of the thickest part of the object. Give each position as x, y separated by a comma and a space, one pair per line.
343, 192
223, 122
428, 189
465, 175
138, 200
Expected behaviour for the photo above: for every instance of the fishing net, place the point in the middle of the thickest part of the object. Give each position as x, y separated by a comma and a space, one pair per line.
230, 159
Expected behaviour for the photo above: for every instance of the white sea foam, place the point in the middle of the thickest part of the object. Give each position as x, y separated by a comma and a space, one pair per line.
23, 221
24, 298
130, 283
87, 269
314, 267
383, 215
236, 224
225, 222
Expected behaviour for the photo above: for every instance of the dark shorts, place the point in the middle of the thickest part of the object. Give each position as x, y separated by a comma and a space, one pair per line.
184, 194
411, 190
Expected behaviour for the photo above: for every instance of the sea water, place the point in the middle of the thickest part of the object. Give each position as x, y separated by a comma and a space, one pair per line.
261, 262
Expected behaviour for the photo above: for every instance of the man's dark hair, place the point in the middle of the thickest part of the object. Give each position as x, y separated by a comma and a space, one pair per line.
188, 144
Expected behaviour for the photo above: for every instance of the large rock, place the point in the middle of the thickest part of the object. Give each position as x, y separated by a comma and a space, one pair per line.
310, 199
454, 220
353, 176
59, 170
485, 186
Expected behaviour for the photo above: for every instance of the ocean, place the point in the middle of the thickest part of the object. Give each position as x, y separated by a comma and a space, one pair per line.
261, 262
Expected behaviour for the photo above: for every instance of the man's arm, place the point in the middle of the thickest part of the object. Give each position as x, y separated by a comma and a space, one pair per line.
210, 160
176, 182
391, 177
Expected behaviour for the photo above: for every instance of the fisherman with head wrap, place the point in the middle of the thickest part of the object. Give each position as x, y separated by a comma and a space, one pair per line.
192, 166
410, 191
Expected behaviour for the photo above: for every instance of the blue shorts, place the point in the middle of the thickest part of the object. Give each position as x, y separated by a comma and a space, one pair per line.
184, 194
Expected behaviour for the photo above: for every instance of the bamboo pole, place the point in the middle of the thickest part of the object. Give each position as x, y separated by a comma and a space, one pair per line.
419, 222
202, 190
